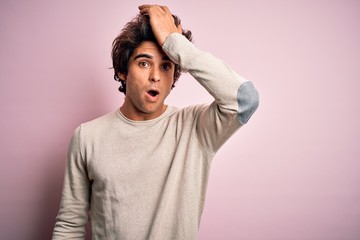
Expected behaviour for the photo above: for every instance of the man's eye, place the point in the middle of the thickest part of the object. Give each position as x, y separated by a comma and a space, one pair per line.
143, 64
167, 66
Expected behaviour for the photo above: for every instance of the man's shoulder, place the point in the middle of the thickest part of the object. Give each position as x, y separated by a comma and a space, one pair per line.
101, 120
98, 125
192, 110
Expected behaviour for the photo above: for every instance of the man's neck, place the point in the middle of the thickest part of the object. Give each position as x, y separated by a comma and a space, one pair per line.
140, 116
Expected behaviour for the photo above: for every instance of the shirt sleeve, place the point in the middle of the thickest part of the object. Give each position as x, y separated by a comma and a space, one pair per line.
236, 98
75, 200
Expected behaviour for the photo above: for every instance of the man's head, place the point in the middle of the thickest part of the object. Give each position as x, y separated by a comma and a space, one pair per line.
133, 34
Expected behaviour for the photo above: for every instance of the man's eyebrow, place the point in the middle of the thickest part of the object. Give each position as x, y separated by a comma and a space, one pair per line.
145, 55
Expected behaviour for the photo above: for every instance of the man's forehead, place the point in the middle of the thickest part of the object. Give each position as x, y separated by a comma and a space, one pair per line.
150, 49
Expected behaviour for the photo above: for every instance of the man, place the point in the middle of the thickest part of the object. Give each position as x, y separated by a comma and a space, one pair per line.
142, 170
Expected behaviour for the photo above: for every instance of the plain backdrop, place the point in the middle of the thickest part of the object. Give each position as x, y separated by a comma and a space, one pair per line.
291, 173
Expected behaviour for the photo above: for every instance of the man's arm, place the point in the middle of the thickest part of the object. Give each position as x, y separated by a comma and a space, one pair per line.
236, 99
75, 201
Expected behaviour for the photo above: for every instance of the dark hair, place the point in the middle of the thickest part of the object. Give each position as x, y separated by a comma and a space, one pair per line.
131, 36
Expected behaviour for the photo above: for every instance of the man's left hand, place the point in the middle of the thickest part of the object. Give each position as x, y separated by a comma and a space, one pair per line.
161, 21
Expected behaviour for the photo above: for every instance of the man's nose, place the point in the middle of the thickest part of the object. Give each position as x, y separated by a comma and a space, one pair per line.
155, 75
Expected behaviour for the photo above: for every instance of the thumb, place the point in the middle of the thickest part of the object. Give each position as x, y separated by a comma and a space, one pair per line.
179, 29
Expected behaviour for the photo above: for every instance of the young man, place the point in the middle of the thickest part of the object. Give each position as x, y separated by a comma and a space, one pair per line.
142, 170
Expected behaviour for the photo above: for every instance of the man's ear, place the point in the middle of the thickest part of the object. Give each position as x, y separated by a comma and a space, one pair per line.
122, 76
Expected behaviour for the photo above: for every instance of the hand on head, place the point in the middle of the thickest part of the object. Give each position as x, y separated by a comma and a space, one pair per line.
161, 21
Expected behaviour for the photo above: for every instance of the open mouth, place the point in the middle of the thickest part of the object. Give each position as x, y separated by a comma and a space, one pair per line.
153, 93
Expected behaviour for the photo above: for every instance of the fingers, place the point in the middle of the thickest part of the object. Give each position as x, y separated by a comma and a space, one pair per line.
147, 6
147, 9
166, 9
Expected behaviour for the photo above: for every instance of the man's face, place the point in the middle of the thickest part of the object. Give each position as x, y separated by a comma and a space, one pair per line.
148, 82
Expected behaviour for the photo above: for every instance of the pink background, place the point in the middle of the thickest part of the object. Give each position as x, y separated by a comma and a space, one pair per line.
293, 172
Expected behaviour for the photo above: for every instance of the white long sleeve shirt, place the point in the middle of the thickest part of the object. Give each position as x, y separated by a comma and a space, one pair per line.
147, 179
